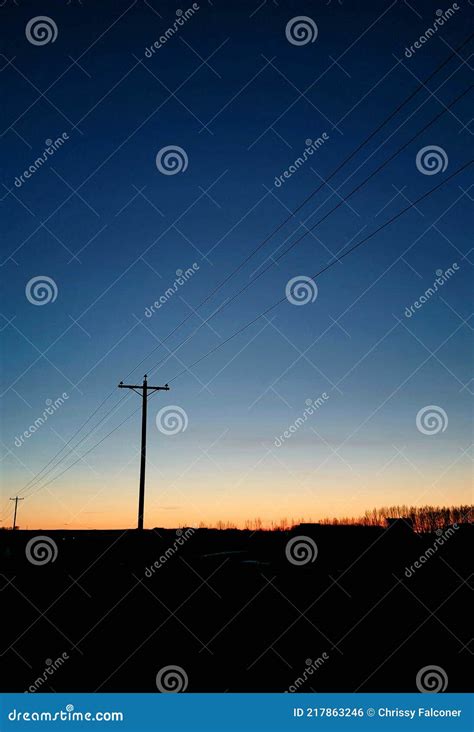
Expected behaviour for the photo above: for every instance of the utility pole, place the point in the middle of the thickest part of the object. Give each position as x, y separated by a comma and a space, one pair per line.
16, 499
145, 390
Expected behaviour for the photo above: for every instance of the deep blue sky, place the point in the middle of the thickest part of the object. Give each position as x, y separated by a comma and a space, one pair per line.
242, 120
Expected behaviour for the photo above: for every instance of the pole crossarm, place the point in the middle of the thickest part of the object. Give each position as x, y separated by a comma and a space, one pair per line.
137, 387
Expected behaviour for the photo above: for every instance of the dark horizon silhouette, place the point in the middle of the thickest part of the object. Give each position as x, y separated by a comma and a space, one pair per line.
237, 610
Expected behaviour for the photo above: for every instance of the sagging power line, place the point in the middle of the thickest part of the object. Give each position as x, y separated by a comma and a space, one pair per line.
268, 310
36, 478
274, 260
308, 198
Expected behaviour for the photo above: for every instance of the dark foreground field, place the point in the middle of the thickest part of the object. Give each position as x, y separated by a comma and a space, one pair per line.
234, 613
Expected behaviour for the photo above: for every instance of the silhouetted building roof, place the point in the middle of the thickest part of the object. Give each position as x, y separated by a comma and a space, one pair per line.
400, 524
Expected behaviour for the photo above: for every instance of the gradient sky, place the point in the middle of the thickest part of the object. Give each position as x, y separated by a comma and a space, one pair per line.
241, 100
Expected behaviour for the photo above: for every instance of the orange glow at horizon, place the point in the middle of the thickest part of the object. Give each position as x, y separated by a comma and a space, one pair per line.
209, 504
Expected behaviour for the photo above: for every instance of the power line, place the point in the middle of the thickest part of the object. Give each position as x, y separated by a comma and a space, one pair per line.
81, 457
336, 260
35, 478
422, 84
343, 200
38, 488
307, 199
269, 309
116, 406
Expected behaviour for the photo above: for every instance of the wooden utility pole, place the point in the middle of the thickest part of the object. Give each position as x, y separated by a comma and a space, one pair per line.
16, 499
145, 390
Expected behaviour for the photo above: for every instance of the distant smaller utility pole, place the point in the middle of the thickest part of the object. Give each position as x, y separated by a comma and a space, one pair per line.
16, 499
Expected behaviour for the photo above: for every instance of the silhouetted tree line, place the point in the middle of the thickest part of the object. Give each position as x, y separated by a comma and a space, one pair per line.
424, 518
